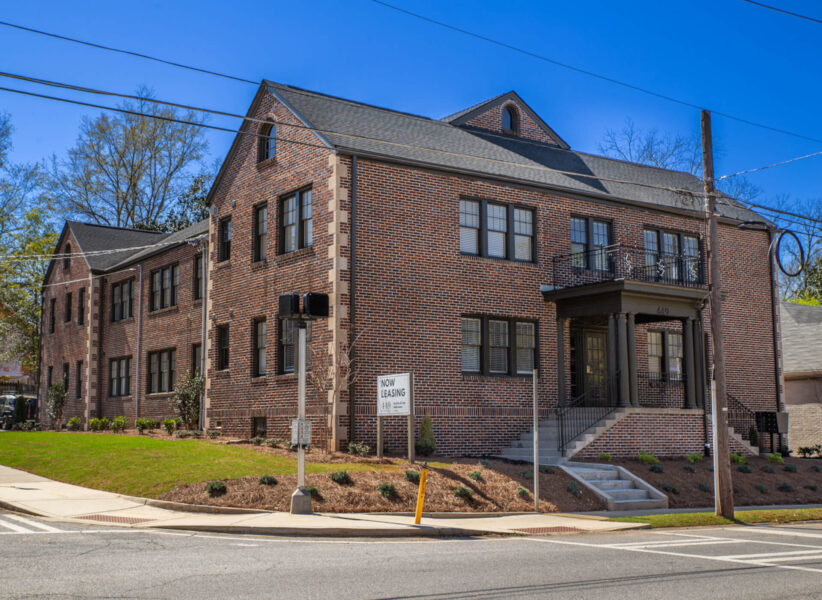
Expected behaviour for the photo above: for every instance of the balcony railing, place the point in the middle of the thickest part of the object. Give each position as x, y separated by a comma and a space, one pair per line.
609, 263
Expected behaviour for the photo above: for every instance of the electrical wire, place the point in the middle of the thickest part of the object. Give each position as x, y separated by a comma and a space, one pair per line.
776, 164
783, 11
23, 257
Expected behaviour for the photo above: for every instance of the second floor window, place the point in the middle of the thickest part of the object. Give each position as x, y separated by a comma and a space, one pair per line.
120, 376
289, 346
222, 347
197, 359
260, 232
672, 256
224, 239
67, 258
198, 277
81, 307
67, 316
589, 240
164, 284
498, 346
52, 315
296, 221
268, 142
259, 360
496, 230
161, 371
121, 305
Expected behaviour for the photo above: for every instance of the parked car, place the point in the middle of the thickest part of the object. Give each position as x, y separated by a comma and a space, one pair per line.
7, 410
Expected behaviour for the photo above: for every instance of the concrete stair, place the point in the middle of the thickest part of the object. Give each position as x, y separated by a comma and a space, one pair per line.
523, 448
618, 488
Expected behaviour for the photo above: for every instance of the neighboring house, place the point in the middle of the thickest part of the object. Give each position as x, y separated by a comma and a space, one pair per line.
468, 250
802, 360
12, 372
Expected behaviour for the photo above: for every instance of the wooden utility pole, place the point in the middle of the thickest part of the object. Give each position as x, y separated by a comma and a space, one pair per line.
723, 491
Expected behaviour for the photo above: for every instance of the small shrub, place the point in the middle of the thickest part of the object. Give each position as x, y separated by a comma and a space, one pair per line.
547, 469
743, 469
806, 451
655, 468
647, 457
527, 474
762, 489
427, 444
689, 468
388, 491
785, 487
186, 399
485, 463
463, 492
694, 457
170, 425
573, 488
55, 402
811, 487
213, 433
313, 491
412, 476
815, 468
118, 424
268, 480
257, 440
358, 448
476, 476
703, 487
605, 457
789, 468
182, 434
768, 469
274, 442
341, 477
74, 424
98, 424
753, 436
522, 492
775, 457
216, 488
669, 488
143, 424
738, 458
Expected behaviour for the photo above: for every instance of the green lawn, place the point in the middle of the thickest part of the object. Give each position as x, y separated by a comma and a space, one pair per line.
142, 466
785, 515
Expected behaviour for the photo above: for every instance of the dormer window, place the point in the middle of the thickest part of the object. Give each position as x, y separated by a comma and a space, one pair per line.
67, 258
510, 120
268, 142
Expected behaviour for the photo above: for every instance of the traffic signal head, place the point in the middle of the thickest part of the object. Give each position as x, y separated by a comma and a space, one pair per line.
289, 305
315, 304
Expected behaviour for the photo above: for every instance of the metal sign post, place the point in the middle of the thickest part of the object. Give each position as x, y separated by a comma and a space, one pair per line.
536, 441
395, 397
301, 499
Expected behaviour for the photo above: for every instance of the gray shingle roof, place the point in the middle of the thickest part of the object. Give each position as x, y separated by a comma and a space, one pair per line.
370, 130
801, 338
136, 243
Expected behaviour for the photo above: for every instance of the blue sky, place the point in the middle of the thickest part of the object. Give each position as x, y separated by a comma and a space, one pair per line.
726, 55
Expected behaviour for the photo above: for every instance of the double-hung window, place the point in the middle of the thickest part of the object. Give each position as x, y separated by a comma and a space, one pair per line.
665, 356
164, 284
224, 239
198, 277
81, 306
161, 371
120, 376
656, 356
296, 221
197, 359
496, 230
66, 377
258, 366
590, 239
671, 256
289, 346
67, 316
497, 346
78, 378
52, 314
222, 347
260, 232
674, 356
121, 307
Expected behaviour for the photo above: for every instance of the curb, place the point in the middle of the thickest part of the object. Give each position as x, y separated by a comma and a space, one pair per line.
335, 531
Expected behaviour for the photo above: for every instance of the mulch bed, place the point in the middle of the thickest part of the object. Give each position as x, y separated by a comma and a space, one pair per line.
497, 492
746, 493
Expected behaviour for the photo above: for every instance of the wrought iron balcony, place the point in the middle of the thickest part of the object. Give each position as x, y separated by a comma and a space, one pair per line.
609, 263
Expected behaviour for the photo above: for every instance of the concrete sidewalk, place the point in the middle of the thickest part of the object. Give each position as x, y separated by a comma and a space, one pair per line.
27, 493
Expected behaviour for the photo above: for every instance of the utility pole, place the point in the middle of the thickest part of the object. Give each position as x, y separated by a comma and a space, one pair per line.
723, 490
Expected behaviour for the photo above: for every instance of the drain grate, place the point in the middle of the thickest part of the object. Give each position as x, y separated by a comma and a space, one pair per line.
548, 530
114, 519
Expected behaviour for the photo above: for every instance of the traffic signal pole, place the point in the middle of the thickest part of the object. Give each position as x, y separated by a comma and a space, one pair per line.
723, 490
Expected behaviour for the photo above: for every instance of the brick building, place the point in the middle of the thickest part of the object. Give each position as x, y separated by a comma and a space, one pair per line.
468, 250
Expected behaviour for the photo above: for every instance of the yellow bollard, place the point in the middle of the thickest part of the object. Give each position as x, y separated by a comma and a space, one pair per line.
421, 493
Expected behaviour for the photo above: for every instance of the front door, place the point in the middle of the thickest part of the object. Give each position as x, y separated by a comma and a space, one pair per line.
589, 365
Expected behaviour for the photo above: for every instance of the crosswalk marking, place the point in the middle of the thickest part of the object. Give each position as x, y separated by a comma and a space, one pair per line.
31, 523
13, 527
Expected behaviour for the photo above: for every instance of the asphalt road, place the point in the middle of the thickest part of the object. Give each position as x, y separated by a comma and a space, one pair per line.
42, 559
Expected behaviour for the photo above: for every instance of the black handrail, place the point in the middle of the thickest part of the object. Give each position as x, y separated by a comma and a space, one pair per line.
584, 411
619, 261
740, 417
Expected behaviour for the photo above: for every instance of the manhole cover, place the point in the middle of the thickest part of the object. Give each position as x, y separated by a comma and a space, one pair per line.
548, 530
114, 519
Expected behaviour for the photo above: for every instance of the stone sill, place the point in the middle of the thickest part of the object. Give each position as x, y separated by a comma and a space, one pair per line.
286, 258
266, 164
494, 259
164, 311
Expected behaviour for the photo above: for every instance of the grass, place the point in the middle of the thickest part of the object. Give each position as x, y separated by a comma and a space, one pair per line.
741, 517
144, 466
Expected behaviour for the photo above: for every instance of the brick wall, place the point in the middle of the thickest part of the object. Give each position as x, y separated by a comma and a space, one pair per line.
491, 120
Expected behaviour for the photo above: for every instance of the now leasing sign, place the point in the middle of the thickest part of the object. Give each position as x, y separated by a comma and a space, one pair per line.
394, 395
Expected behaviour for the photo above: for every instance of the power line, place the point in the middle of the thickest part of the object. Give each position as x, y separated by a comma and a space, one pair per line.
783, 11
776, 164
582, 71
26, 257
128, 52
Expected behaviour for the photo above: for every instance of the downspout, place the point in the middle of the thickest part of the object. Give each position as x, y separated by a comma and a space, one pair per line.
777, 330
204, 300
351, 298
137, 387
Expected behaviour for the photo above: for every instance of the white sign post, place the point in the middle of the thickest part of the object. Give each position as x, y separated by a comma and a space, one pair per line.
395, 397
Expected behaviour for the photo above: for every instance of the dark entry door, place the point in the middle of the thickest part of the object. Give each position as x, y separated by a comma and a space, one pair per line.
589, 365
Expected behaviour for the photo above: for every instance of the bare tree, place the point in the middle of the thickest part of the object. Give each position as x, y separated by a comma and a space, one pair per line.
130, 169
806, 223
331, 374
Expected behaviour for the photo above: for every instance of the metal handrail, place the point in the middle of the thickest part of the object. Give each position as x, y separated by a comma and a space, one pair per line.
740, 417
583, 412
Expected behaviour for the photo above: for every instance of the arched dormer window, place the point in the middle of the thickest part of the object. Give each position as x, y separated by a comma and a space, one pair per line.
268, 141
510, 120
67, 259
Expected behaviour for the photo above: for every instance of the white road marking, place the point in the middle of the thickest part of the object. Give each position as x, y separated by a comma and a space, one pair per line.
679, 544
780, 531
817, 556
769, 554
31, 523
13, 527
